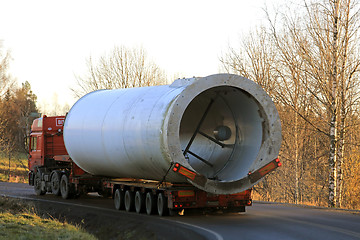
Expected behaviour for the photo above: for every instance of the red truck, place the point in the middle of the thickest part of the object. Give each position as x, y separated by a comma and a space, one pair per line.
51, 170
197, 143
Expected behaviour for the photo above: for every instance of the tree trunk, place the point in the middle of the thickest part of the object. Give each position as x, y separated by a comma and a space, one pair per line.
9, 164
296, 160
342, 104
332, 163
340, 160
333, 107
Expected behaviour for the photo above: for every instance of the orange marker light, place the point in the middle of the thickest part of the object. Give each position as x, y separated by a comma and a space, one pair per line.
186, 193
263, 171
187, 173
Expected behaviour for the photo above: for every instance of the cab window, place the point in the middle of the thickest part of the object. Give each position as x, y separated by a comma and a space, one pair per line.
33, 143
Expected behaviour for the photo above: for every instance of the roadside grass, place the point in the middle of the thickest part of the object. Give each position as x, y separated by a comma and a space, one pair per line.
19, 220
18, 168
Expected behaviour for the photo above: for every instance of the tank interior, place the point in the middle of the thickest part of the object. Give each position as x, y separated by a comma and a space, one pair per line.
221, 132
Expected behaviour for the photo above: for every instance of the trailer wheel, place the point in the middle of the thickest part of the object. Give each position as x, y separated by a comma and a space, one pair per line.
119, 199
163, 210
150, 203
65, 187
139, 202
37, 184
129, 200
55, 182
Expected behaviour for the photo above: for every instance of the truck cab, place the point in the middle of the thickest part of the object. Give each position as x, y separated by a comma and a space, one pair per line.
47, 153
46, 142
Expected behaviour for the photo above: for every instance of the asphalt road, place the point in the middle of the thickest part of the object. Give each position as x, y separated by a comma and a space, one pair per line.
261, 221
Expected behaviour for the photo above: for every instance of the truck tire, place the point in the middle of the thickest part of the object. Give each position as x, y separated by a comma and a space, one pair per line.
139, 202
129, 200
65, 187
55, 182
162, 207
150, 203
37, 184
119, 199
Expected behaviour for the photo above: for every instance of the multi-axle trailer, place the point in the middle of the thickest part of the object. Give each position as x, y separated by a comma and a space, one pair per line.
197, 143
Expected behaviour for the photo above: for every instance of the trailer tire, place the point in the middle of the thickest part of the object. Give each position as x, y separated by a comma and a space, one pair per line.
55, 182
65, 187
129, 200
162, 207
139, 202
37, 184
119, 199
150, 203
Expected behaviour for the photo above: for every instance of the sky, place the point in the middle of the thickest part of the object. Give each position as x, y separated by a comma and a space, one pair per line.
50, 41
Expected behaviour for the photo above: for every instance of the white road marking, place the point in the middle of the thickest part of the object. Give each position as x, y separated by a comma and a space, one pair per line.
216, 235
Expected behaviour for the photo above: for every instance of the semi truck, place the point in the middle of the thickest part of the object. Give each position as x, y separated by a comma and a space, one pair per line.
198, 143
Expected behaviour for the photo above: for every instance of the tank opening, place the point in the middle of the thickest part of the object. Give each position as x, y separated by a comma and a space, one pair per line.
221, 133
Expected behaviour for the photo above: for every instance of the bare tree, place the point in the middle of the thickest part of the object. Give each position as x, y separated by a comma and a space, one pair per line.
123, 68
259, 59
254, 60
6, 81
329, 32
312, 67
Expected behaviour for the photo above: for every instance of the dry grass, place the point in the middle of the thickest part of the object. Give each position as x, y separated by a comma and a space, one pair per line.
18, 220
18, 168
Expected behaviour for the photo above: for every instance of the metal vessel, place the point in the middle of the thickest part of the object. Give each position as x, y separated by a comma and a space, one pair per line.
222, 127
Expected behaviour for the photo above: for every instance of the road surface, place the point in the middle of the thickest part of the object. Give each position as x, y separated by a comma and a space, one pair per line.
261, 221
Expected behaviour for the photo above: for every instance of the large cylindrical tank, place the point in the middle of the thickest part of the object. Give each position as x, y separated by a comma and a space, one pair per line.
222, 126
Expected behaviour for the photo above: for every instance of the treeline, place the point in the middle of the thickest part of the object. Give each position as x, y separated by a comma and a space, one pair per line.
17, 111
307, 58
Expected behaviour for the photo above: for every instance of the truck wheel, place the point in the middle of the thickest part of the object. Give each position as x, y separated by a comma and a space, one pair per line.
119, 199
163, 210
139, 202
129, 200
150, 203
37, 185
55, 182
65, 187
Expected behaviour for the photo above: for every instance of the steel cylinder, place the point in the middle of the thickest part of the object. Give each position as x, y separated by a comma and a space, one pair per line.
222, 127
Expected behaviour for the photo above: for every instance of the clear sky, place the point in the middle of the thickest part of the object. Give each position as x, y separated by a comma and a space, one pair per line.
50, 41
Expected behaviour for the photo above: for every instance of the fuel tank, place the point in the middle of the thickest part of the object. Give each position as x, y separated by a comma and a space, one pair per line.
222, 127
